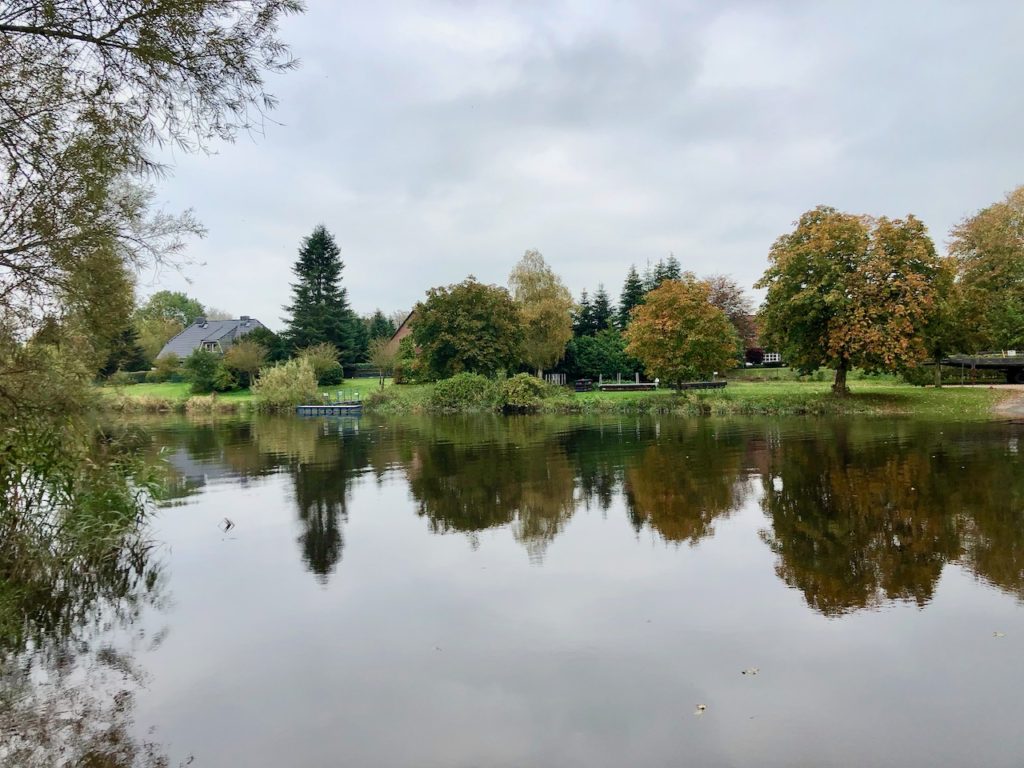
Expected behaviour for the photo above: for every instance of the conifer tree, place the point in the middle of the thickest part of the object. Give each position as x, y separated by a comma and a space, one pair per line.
319, 311
583, 317
603, 311
379, 326
672, 269
632, 295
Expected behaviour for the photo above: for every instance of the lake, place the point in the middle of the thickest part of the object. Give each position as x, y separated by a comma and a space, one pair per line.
569, 592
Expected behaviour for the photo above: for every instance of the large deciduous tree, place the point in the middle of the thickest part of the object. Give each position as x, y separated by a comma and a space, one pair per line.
246, 357
319, 312
545, 306
468, 326
728, 296
162, 316
603, 354
88, 88
847, 291
679, 335
989, 248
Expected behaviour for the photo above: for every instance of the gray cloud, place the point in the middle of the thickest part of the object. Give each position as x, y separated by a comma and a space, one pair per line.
438, 139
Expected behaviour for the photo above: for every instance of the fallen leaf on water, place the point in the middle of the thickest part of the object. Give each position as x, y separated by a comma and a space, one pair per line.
998, 634
701, 709
750, 671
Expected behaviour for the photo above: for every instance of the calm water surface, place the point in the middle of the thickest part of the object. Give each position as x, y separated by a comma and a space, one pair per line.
560, 592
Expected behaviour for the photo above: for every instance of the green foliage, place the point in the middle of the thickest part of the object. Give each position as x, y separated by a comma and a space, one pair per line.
583, 316
245, 358
632, 296
319, 312
989, 249
125, 353
378, 326
127, 378
207, 373
323, 359
464, 392
545, 306
603, 354
70, 526
665, 269
286, 385
408, 367
523, 392
467, 327
275, 345
603, 312
166, 368
170, 305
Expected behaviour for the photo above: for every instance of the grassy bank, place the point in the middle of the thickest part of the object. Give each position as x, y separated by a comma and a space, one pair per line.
174, 397
871, 396
782, 398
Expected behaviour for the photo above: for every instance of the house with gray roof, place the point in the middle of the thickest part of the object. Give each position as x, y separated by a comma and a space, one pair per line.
214, 335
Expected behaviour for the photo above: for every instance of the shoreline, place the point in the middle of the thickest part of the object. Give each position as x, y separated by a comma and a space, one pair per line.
868, 398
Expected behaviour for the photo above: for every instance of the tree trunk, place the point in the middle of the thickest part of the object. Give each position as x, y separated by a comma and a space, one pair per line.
839, 387
540, 374
938, 373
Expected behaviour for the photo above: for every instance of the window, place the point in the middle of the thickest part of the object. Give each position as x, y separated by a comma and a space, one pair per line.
210, 345
772, 357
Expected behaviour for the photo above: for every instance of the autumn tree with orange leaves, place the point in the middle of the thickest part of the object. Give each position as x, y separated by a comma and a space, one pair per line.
679, 335
849, 291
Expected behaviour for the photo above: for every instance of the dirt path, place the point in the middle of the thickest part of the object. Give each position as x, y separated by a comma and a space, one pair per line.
1013, 404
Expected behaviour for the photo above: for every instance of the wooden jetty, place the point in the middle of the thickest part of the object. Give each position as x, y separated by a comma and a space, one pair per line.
1012, 364
646, 386
343, 404
331, 409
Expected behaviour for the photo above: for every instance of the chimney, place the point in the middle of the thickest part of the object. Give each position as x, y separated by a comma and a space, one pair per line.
200, 321
245, 321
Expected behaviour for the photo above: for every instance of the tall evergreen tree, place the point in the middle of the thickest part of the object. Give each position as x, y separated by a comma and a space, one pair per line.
379, 326
603, 311
319, 309
583, 317
632, 295
672, 270
650, 278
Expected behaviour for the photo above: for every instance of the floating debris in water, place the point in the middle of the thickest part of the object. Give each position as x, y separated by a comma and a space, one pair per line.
226, 524
701, 709
750, 671
998, 634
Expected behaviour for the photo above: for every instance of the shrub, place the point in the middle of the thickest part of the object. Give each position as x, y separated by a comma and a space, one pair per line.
464, 392
323, 359
523, 392
166, 368
207, 372
332, 376
245, 357
285, 386
125, 378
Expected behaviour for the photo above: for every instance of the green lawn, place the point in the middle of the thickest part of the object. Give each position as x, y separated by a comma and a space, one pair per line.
178, 392
877, 396
870, 395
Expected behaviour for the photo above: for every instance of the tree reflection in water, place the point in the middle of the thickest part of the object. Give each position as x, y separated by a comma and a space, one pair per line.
860, 512
858, 519
690, 477
75, 566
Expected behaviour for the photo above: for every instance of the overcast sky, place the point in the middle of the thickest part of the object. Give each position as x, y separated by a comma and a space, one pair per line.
439, 139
